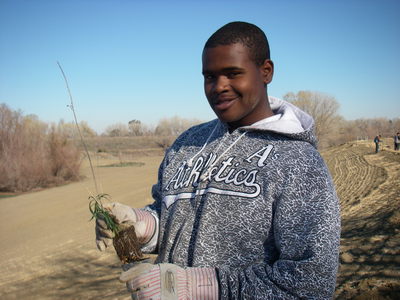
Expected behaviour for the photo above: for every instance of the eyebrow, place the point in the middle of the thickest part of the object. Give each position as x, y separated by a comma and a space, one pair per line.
224, 70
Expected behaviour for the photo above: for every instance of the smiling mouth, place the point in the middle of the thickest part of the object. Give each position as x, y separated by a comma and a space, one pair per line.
224, 103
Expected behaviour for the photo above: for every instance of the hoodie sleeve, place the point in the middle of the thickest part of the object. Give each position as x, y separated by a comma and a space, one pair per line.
306, 229
155, 210
155, 207
156, 191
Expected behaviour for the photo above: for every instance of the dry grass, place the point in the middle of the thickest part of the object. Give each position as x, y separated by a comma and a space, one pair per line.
133, 146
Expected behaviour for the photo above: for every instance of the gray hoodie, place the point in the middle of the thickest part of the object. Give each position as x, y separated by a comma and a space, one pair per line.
257, 204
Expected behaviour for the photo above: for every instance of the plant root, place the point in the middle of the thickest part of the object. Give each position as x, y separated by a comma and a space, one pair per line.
127, 246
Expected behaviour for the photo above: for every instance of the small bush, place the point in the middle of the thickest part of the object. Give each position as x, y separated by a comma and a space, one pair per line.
33, 154
165, 142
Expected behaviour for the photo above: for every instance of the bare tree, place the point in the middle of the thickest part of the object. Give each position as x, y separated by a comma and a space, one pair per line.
135, 128
117, 129
32, 154
322, 107
69, 129
174, 126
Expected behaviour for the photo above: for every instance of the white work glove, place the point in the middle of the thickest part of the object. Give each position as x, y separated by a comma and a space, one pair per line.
125, 216
169, 282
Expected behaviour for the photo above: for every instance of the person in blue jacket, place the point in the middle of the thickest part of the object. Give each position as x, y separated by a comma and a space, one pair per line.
377, 141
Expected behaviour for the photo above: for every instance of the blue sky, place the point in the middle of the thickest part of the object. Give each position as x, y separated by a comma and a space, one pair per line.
142, 59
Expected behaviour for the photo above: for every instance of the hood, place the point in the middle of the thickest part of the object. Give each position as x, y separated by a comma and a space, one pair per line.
288, 120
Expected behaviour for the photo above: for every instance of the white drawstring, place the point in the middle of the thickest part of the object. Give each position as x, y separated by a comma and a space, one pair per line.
189, 163
204, 176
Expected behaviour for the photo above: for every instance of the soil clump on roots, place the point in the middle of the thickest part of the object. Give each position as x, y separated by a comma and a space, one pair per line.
127, 246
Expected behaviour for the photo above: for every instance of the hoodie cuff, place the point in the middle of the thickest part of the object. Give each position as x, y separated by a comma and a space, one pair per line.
151, 245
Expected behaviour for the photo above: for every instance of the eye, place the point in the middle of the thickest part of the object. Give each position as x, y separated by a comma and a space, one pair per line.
208, 77
232, 75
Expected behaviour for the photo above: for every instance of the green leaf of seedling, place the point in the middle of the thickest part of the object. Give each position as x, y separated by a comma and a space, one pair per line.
99, 212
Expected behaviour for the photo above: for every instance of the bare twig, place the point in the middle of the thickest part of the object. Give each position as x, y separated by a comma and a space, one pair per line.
125, 241
71, 106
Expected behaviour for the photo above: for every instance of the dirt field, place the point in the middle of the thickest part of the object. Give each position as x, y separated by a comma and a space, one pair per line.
47, 248
368, 185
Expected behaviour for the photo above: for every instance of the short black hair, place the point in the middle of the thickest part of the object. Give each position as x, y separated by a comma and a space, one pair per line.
245, 33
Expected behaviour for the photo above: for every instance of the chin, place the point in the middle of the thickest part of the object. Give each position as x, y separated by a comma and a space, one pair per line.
226, 118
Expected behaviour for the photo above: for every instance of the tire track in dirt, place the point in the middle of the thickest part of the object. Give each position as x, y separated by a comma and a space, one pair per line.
368, 186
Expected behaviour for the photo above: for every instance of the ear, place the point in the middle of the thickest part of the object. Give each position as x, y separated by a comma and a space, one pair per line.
267, 71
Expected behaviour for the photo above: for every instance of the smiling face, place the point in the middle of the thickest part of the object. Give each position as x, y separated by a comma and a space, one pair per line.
235, 85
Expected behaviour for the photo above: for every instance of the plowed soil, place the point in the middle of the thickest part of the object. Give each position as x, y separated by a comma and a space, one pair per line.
368, 186
47, 247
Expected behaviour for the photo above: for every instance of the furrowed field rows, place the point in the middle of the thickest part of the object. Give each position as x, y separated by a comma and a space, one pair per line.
354, 177
368, 186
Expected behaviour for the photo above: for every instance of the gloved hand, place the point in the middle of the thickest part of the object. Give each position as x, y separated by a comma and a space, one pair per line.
125, 216
169, 281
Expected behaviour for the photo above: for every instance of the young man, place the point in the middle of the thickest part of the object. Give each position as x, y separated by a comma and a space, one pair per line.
244, 206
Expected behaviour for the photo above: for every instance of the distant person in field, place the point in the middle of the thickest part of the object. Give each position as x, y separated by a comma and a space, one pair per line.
377, 141
244, 206
397, 141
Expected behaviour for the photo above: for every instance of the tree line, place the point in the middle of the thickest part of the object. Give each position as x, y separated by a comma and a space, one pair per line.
36, 154
166, 127
331, 128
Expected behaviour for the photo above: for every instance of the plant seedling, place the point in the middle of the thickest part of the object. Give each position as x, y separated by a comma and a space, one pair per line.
125, 241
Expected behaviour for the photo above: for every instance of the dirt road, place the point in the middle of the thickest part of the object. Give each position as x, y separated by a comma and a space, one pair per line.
47, 246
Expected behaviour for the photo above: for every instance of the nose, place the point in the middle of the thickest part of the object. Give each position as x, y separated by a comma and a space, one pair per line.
221, 84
